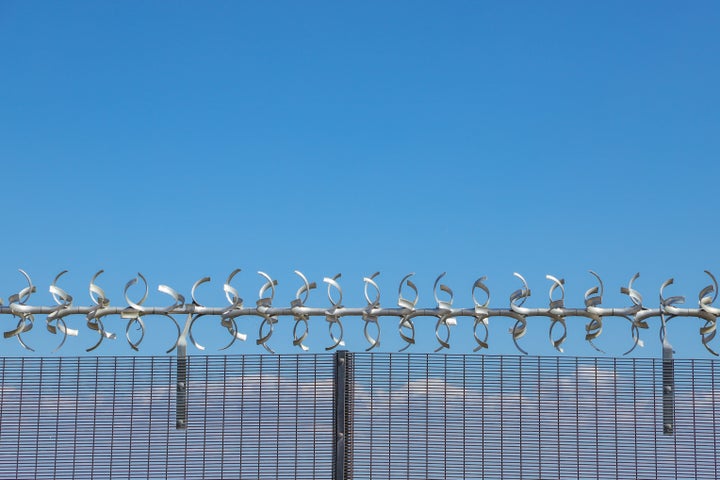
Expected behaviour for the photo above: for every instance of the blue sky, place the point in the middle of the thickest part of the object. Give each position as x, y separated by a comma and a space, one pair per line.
187, 140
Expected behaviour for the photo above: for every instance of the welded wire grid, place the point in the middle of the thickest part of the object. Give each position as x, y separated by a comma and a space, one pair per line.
250, 416
407, 416
491, 417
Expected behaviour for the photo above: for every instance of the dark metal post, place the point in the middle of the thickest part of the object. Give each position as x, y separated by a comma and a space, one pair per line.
181, 394
343, 426
668, 379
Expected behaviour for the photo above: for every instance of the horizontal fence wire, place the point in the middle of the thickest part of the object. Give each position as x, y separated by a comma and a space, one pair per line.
251, 416
495, 417
408, 416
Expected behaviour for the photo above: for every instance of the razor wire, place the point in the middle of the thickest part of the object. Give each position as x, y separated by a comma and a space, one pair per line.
407, 312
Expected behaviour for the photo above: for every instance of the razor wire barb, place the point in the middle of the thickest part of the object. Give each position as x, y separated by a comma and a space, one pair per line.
406, 311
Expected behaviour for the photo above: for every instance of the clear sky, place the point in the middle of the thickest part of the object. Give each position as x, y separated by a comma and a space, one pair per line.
478, 138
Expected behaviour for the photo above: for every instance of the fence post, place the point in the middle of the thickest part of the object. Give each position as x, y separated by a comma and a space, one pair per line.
343, 418
668, 379
182, 385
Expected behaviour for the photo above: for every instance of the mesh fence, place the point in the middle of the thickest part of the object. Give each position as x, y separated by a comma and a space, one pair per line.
248, 417
459, 417
408, 416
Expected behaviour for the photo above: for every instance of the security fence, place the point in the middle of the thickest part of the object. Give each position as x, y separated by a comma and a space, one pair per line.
359, 415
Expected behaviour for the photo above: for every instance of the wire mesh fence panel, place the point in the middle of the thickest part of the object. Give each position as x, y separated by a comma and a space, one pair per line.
491, 417
406, 416
114, 417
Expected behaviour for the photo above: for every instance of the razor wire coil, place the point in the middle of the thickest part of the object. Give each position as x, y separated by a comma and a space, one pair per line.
407, 311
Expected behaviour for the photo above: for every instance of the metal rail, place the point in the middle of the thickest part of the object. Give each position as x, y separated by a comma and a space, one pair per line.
444, 313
